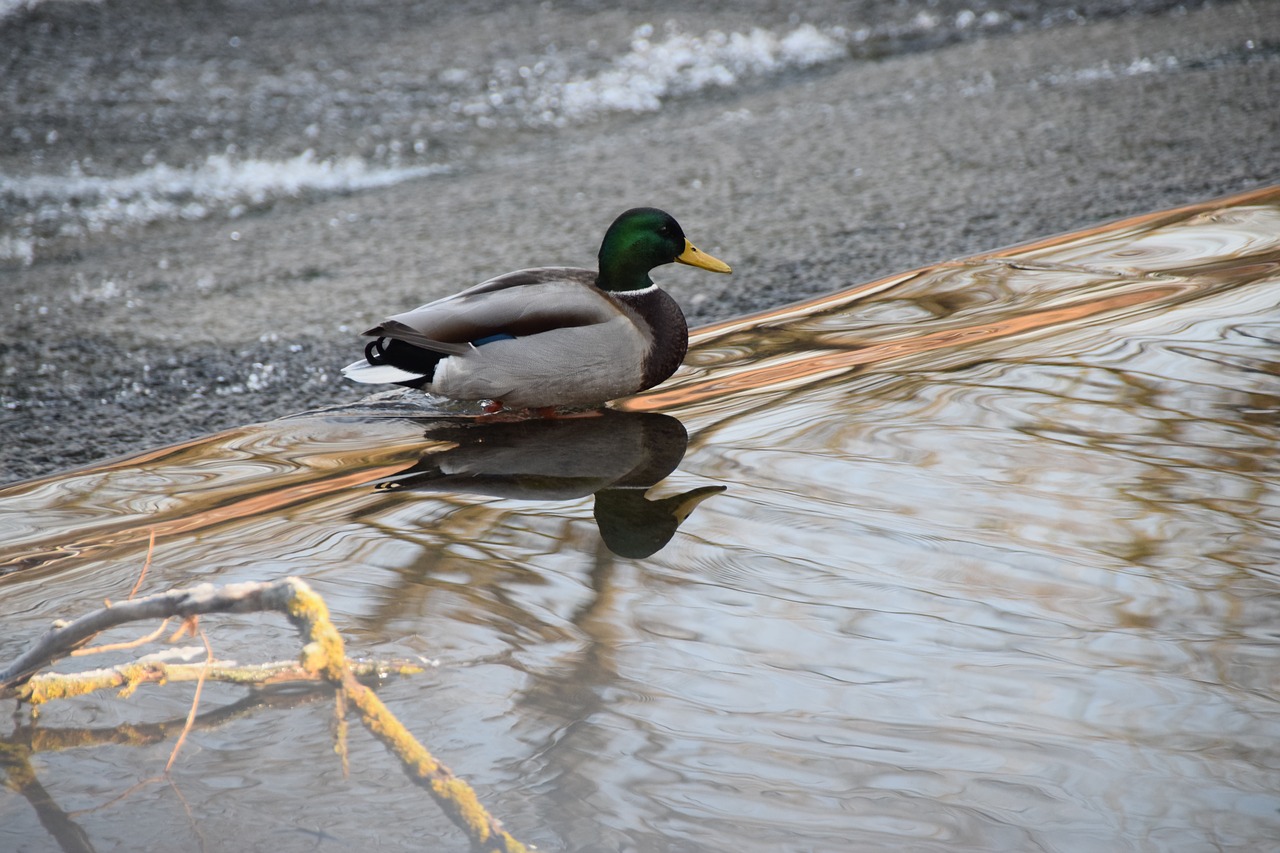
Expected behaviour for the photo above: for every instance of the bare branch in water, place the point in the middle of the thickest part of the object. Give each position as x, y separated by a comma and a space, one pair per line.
323, 654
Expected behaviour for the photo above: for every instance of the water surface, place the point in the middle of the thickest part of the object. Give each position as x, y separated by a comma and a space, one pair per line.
977, 557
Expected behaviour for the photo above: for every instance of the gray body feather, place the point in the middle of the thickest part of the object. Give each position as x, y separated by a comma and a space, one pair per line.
573, 344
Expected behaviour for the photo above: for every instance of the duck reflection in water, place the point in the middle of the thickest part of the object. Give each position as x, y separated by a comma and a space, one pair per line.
617, 456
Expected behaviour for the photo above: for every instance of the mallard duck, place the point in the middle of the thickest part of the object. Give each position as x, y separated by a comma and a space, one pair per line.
549, 336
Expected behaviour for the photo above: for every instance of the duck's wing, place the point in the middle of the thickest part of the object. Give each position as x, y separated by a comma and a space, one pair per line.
517, 304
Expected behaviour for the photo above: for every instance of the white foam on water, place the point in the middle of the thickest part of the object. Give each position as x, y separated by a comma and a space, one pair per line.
653, 71
78, 204
684, 64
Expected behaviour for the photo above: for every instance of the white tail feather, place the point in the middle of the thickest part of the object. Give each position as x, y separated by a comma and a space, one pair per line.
378, 374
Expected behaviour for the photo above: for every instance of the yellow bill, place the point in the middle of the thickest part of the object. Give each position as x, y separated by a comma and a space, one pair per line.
694, 258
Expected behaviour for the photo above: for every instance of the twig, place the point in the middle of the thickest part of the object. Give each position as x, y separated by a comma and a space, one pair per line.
195, 703
190, 627
340, 730
323, 653
116, 647
151, 547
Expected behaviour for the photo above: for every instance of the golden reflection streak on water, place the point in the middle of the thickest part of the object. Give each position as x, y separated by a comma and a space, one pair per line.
161, 454
298, 481
810, 367
688, 390
836, 301
128, 533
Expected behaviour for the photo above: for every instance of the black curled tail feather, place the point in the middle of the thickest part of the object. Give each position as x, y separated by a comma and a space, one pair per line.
387, 350
374, 352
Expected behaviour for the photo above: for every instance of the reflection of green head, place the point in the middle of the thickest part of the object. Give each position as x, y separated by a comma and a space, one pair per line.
618, 456
633, 526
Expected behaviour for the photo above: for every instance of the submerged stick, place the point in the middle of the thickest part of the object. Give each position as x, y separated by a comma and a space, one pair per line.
17, 774
322, 654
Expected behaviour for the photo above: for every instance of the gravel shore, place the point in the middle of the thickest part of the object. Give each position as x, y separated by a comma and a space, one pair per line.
806, 181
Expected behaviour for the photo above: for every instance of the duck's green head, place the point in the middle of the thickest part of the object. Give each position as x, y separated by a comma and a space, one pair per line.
644, 238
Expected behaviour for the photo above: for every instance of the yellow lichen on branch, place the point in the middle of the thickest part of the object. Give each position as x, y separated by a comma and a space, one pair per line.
128, 677
324, 649
324, 653
322, 656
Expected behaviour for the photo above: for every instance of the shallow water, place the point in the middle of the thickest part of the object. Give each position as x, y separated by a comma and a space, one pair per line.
993, 567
